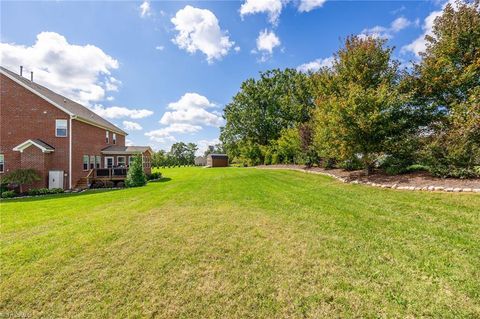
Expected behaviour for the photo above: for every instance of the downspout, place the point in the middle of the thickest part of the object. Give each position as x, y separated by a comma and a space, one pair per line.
70, 154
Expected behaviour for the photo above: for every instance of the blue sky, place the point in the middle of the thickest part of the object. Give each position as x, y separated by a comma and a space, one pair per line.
164, 70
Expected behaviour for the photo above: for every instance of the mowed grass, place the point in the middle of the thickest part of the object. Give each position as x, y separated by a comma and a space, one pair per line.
242, 243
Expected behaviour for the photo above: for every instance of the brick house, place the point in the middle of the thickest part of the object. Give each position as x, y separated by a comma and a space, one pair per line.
64, 141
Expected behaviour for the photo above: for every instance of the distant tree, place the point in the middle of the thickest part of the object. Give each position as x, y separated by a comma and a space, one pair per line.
257, 114
21, 177
136, 176
159, 158
190, 153
214, 149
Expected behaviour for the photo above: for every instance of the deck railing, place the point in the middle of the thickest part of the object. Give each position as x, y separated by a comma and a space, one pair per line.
108, 173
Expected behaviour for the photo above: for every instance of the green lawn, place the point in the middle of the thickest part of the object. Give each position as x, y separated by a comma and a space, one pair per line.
242, 243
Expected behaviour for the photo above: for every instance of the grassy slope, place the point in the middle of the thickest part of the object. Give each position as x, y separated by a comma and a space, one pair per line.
242, 243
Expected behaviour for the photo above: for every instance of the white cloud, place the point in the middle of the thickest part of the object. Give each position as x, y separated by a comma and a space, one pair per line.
420, 44
132, 126
309, 5
396, 26
198, 29
272, 7
115, 112
164, 135
188, 115
159, 47
204, 144
191, 108
80, 72
128, 142
266, 42
400, 23
110, 98
145, 9
316, 65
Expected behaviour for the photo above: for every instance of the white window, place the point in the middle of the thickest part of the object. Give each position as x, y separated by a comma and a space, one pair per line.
98, 160
114, 138
130, 159
92, 162
61, 128
85, 162
107, 137
121, 161
2, 163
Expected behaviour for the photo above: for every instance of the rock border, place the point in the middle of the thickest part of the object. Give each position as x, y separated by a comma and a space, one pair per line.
431, 188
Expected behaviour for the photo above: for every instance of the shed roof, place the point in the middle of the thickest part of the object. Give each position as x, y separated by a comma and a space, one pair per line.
218, 155
62, 102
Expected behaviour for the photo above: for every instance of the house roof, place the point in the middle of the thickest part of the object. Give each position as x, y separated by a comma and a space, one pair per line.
116, 149
36, 142
67, 105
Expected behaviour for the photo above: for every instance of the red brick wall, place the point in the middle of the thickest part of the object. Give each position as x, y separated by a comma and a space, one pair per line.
88, 140
23, 116
33, 157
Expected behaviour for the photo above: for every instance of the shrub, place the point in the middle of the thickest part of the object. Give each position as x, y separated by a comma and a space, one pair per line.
7, 194
121, 184
109, 184
154, 176
44, 191
136, 176
22, 177
98, 184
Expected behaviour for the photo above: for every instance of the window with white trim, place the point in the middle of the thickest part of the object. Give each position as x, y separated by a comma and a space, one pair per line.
92, 162
114, 138
61, 127
107, 137
121, 161
2, 163
130, 159
85, 162
98, 160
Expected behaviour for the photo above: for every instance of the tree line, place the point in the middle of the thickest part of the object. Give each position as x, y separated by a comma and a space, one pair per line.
182, 154
367, 112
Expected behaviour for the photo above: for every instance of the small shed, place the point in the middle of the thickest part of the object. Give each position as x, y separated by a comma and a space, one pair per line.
200, 161
217, 160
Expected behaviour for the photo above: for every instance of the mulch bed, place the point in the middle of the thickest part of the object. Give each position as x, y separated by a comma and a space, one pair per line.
417, 180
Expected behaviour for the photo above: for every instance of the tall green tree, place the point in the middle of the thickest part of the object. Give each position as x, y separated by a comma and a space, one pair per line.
446, 82
136, 176
359, 107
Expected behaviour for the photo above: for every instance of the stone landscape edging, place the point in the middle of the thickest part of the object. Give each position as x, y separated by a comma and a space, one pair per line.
431, 188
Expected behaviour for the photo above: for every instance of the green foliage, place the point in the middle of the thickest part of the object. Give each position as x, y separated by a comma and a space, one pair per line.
288, 146
22, 177
257, 114
447, 84
359, 107
136, 176
44, 191
7, 194
154, 176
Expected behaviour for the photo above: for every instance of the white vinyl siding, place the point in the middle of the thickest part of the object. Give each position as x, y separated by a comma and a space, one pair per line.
61, 128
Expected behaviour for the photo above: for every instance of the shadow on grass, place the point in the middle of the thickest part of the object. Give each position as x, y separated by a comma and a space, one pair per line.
54, 196
162, 180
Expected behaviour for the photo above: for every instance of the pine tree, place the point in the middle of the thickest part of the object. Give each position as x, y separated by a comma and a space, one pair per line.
136, 176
